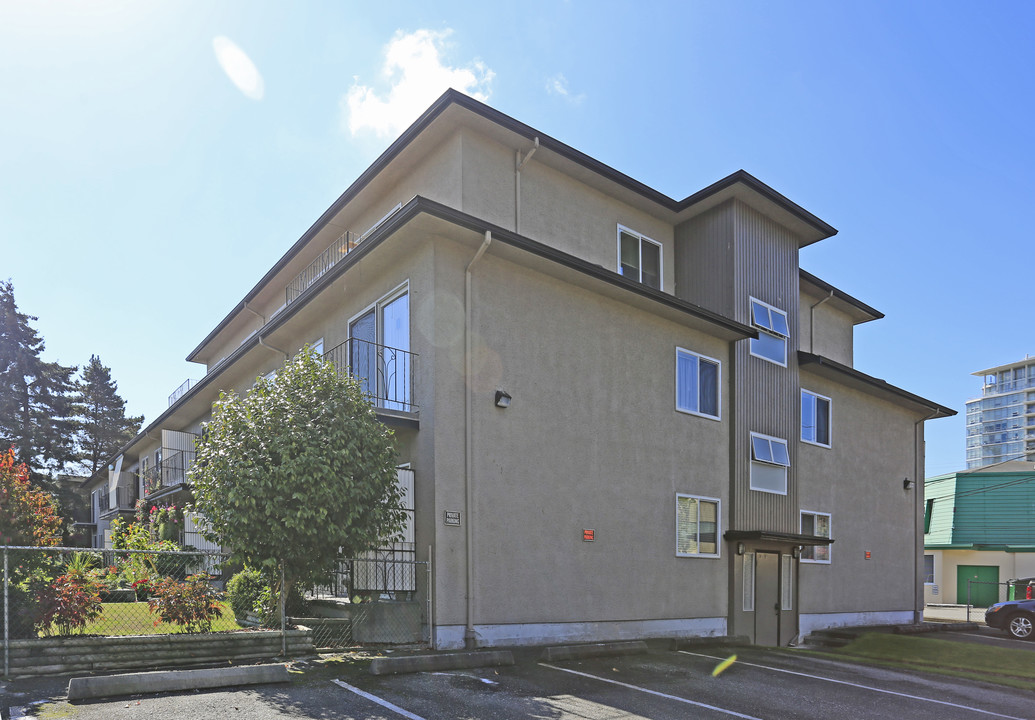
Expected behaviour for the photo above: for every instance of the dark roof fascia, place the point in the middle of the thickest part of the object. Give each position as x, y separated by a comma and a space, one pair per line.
453, 97
767, 535
408, 212
751, 182
805, 358
840, 294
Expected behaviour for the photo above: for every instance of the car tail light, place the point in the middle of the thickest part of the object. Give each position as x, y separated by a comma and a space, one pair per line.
1027, 594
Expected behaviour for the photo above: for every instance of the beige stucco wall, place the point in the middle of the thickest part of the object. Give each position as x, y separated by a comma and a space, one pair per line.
947, 562
591, 441
858, 480
824, 329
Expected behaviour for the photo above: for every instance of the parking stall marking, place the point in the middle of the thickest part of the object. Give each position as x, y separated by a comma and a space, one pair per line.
861, 687
373, 698
652, 692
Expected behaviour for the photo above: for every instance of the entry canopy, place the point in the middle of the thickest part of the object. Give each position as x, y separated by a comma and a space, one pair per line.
768, 536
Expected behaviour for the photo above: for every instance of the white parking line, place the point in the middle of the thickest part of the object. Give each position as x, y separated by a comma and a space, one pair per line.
651, 692
861, 687
379, 701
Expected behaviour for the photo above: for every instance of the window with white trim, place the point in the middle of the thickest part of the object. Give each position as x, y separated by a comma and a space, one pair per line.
771, 343
815, 418
697, 526
929, 569
697, 384
769, 463
639, 258
818, 525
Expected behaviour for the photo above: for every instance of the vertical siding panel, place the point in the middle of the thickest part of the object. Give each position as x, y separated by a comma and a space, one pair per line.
766, 266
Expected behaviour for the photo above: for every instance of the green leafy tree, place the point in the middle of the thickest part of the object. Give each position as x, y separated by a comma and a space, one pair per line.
296, 471
104, 426
37, 409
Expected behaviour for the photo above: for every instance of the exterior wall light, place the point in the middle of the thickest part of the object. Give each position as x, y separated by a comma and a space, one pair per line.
796, 552
907, 484
740, 548
503, 399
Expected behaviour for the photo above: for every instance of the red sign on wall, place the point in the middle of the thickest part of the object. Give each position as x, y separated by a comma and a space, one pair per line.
589, 535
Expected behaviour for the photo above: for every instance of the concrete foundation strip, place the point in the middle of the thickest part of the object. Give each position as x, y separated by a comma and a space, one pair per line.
85, 688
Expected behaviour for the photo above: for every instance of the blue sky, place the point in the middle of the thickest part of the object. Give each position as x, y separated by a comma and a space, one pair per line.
156, 158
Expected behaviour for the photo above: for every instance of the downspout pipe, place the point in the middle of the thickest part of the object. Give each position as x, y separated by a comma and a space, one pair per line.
470, 640
918, 610
262, 342
519, 163
812, 321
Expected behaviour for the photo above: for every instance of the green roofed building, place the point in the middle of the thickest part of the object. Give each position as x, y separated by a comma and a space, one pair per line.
978, 525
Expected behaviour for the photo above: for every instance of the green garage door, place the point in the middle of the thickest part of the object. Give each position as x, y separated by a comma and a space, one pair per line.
981, 594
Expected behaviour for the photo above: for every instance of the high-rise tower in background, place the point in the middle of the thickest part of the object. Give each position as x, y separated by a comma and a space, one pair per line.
1001, 423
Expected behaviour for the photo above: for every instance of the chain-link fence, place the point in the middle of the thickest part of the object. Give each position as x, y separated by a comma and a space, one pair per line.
981, 593
62, 592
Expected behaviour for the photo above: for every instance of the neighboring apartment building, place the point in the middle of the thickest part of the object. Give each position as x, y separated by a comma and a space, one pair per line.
623, 415
978, 525
1001, 423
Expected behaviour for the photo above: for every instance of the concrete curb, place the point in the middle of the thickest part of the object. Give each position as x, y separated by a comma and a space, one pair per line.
84, 688
698, 642
933, 627
575, 652
449, 661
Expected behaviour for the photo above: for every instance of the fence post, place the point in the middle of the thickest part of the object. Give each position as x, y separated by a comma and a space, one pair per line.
968, 599
283, 612
7, 628
431, 607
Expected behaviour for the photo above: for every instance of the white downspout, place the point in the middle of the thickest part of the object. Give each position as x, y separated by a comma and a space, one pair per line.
918, 488
519, 163
470, 640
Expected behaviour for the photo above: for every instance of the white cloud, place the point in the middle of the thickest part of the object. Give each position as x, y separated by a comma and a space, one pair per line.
558, 85
239, 67
416, 75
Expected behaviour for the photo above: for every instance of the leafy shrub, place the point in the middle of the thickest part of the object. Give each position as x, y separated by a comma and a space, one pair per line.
191, 604
68, 603
243, 591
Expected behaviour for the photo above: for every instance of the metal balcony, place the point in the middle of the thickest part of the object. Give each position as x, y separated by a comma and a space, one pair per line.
385, 373
323, 262
170, 474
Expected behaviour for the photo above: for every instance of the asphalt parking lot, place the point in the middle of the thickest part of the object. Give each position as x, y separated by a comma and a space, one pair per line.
660, 685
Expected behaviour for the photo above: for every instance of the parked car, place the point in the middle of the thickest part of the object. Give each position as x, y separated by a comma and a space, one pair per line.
1016, 617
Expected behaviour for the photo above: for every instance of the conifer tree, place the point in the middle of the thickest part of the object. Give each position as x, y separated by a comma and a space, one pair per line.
37, 412
103, 425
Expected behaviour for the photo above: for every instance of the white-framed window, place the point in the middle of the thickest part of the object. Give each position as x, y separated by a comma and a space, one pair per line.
639, 258
786, 582
697, 384
816, 524
815, 418
771, 343
697, 526
769, 463
379, 350
929, 569
749, 582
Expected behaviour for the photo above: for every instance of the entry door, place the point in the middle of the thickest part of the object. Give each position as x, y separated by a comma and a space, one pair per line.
767, 598
984, 591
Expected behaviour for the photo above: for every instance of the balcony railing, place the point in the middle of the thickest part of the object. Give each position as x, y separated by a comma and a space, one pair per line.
171, 473
385, 373
324, 262
125, 499
182, 390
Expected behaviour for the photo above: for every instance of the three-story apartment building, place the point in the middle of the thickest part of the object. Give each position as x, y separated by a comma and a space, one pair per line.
623, 415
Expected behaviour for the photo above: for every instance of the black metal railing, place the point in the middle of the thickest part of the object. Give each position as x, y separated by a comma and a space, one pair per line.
385, 373
323, 262
171, 473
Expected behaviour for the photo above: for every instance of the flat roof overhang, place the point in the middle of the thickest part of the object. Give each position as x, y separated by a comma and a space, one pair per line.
838, 372
779, 537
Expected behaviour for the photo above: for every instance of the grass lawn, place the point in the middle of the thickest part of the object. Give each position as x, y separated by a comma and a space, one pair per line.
136, 619
1002, 666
